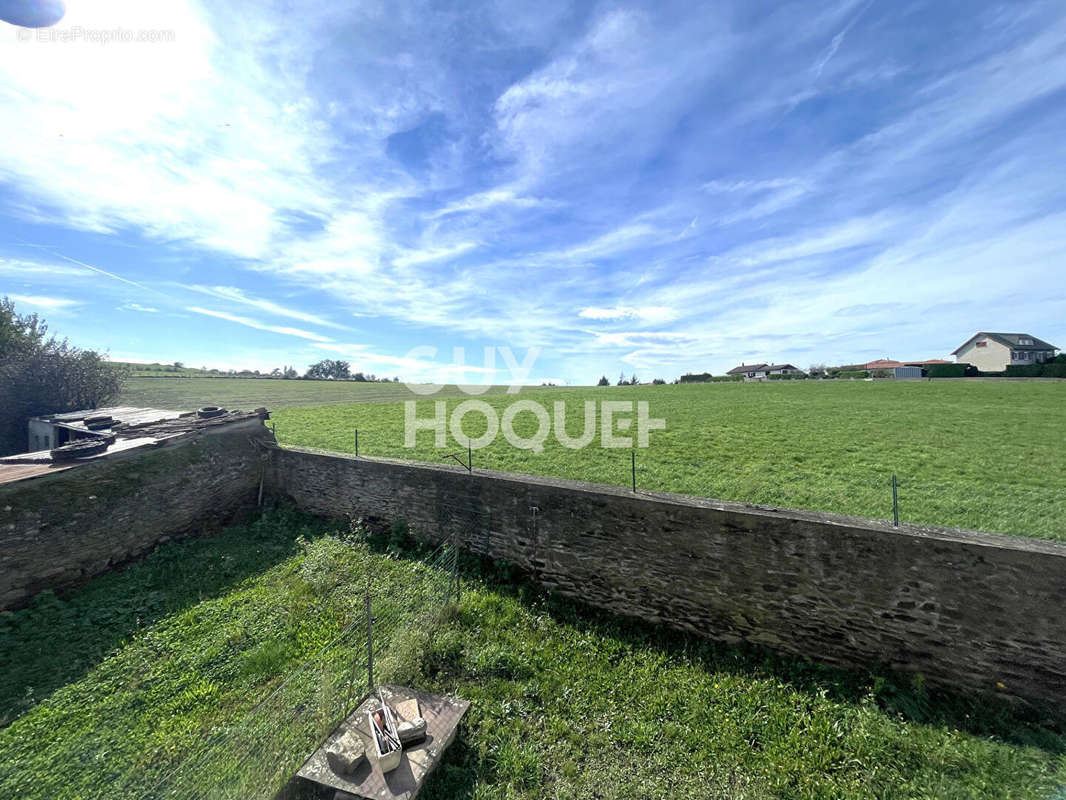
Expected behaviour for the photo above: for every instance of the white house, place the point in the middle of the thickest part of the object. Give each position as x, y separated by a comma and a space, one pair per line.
759, 372
783, 369
751, 372
994, 352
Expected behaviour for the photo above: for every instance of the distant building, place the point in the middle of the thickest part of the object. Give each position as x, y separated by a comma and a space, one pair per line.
881, 363
751, 372
907, 372
994, 352
783, 369
760, 372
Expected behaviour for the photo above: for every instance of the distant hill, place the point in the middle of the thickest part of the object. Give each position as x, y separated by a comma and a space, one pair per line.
178, 370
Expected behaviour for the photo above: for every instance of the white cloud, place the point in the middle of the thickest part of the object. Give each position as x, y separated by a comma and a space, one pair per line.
52, 303
484, 201
413, 257
33, 269
648, 313
236, 295
254, 323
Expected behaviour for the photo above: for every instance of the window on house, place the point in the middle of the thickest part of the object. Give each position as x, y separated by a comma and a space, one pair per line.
981, 344
1025, 341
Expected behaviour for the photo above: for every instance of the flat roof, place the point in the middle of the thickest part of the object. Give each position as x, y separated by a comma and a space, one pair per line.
150, 432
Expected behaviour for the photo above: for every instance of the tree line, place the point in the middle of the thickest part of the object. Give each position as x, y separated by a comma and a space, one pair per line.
40, 374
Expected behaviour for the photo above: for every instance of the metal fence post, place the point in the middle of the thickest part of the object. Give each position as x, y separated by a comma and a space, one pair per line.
455, 566
895, 501
357, 441
633, 466
369, 643
469, 458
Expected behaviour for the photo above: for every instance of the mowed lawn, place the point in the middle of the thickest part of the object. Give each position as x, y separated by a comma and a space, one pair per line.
142, 685
190, 393
986, 455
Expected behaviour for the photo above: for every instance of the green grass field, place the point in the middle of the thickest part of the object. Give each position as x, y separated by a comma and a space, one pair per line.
982, 455
124, 688
113, 691
189, 393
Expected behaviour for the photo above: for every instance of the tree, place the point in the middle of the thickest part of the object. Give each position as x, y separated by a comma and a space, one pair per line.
622, 379
604, 381
40, 374
328, 369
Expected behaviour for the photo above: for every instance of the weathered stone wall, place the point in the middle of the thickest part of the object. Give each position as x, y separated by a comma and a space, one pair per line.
58, 529
970, 611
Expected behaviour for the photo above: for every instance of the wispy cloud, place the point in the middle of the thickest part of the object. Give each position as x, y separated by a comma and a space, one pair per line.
647, 313
262, 326
51, 303
648, 185
234, 295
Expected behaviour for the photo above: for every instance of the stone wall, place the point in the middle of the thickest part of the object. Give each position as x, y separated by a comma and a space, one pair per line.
58, 529
969, 611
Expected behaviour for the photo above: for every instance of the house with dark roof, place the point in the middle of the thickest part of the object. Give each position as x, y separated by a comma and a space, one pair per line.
994, 352
759, 372
782, 369
751, 372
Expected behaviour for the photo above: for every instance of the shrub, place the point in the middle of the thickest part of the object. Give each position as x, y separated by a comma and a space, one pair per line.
950, 371
1050, 369
40, 374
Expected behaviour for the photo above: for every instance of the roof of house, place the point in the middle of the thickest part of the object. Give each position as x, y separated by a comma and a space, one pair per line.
772, 367
927, 362
1011, 340
882, 363
747, 368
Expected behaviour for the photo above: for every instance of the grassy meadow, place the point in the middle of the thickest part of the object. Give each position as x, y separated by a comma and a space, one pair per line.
166, 678
986, 455
189, 393
112, 691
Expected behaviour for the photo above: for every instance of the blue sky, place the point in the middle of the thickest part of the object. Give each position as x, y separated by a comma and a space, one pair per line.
654, 188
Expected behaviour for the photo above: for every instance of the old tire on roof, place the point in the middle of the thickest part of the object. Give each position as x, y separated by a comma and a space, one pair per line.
98, 421
210, 411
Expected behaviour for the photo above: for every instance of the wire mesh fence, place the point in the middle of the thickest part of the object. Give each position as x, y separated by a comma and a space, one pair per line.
964, 497
252, 755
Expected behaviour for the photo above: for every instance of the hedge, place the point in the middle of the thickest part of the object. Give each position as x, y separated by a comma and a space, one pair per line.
1052, 369
950, 371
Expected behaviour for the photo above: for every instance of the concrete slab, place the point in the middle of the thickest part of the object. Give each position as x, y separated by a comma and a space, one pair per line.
442, 715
